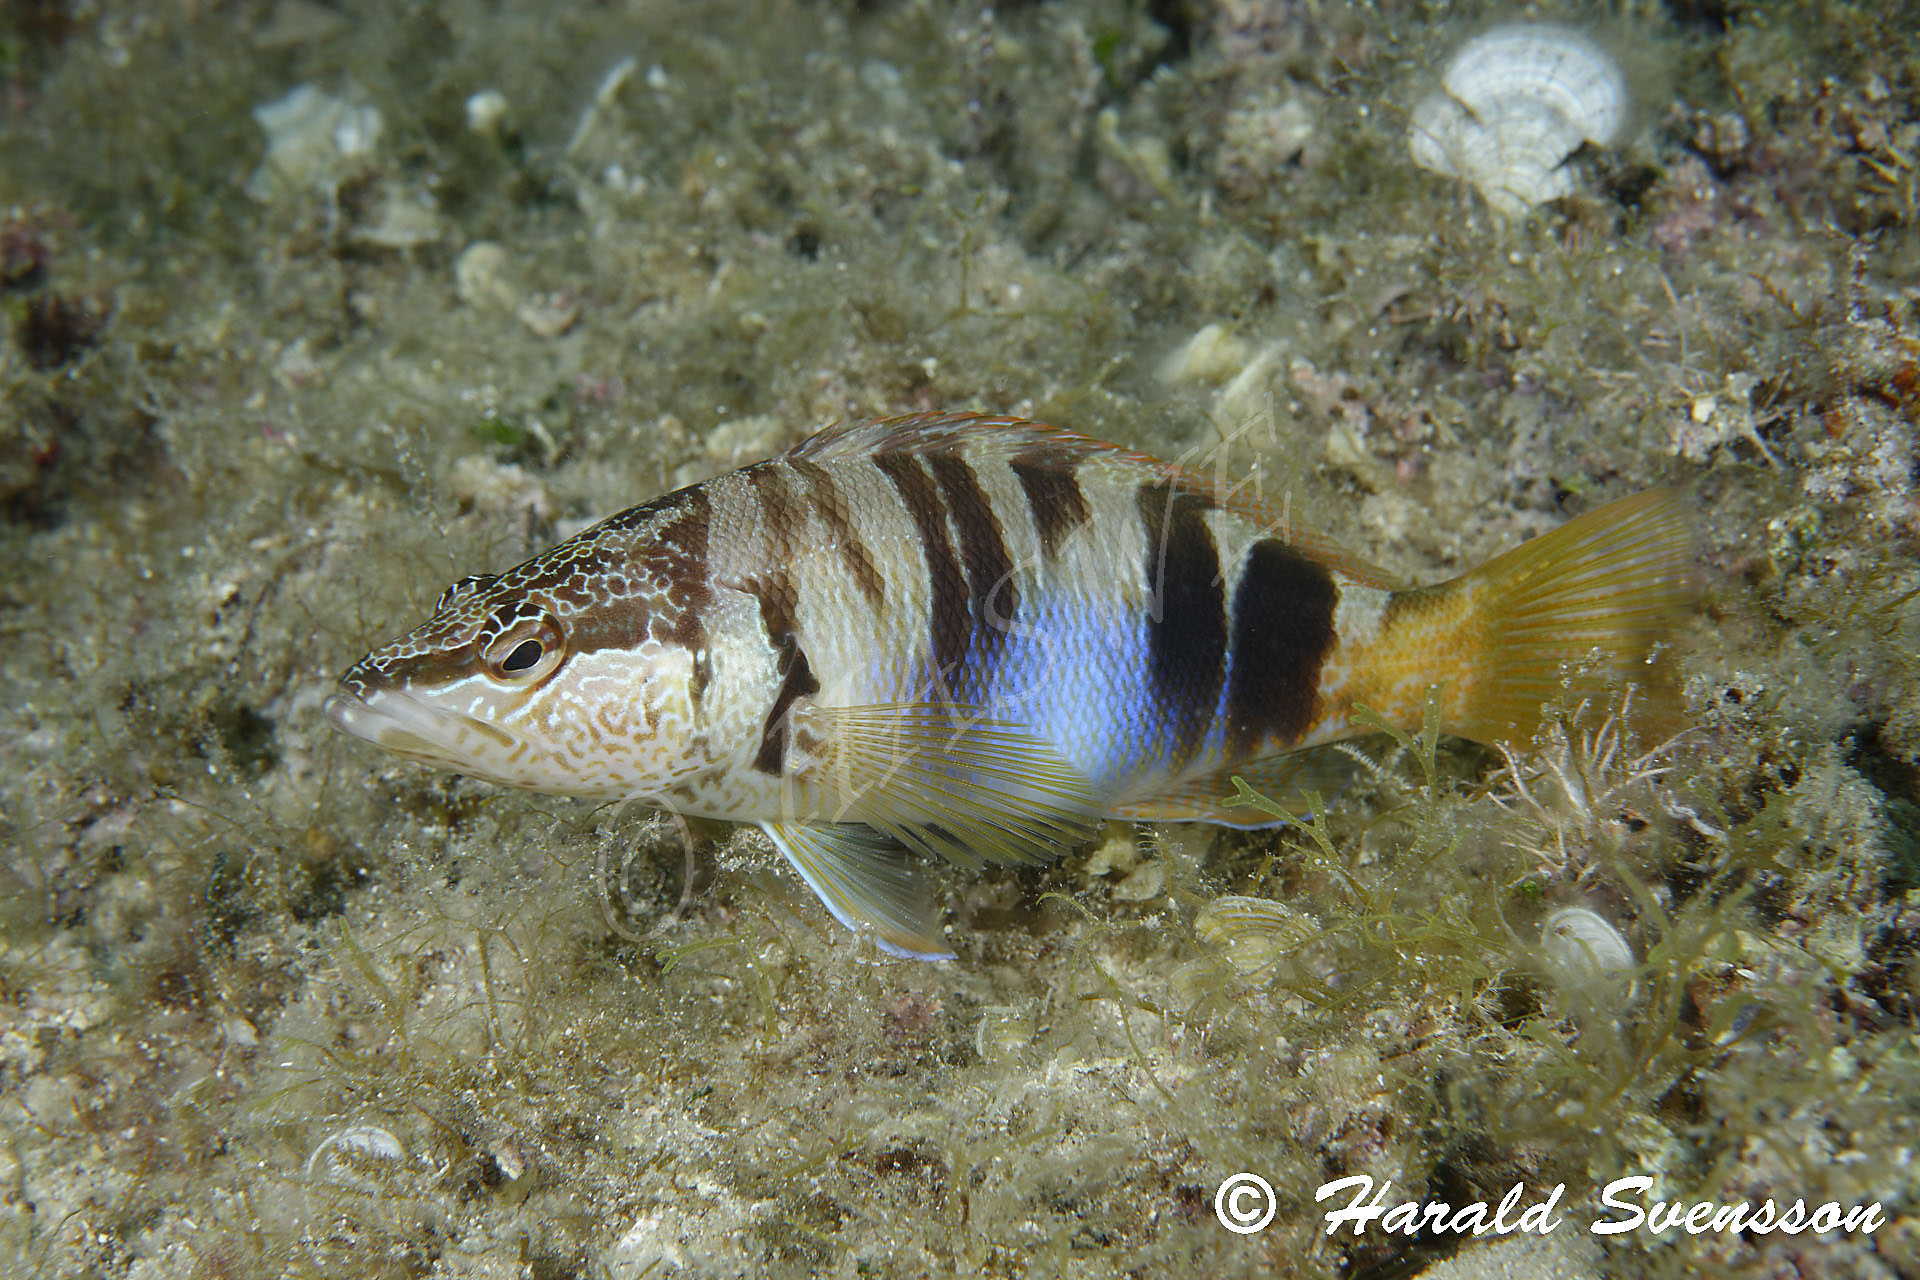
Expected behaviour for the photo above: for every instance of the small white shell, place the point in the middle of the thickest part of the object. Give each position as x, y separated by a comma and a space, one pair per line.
315, 141
486, 110
357, 1158
1253, 933
1004, 1031
1519, 100
1584, 947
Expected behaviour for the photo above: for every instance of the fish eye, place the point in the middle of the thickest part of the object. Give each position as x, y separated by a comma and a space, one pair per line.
525, 656
529, 650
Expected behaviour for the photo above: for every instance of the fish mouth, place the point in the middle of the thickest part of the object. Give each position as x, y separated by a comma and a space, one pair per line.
396, 721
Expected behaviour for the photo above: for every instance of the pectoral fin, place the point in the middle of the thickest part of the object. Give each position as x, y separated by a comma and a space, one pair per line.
868, 882
954, 782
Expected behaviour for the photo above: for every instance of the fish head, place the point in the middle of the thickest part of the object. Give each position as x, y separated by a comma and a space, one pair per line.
568, 674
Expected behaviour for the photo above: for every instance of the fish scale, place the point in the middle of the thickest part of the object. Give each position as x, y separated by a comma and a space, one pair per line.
978, 638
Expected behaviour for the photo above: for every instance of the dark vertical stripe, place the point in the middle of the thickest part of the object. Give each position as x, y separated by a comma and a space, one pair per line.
785, 521
983, 551
626, 593
690, 592
780, 507
1282, 633
701, 678
949, 626
776, 596
839, 521
680, 552
1054, 498
1186, 613
774, 734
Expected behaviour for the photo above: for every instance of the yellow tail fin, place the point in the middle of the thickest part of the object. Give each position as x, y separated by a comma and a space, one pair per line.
1574, 612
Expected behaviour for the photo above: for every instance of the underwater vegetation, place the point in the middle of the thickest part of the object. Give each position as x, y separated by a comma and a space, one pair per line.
306, 311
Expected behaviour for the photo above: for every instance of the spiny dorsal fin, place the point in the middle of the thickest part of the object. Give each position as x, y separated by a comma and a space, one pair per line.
933, 432
987, 436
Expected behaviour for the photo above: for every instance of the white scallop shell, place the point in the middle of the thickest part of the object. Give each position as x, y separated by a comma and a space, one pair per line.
1519, 100
1584, 946
344, 1155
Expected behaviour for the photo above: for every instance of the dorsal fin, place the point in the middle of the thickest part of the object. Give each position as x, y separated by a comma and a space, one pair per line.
986, 436
934, 432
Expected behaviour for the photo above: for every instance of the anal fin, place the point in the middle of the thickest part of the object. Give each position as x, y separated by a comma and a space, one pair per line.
1290, 778
868, 882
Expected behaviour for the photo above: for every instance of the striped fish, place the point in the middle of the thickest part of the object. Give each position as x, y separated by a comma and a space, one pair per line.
978, 638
